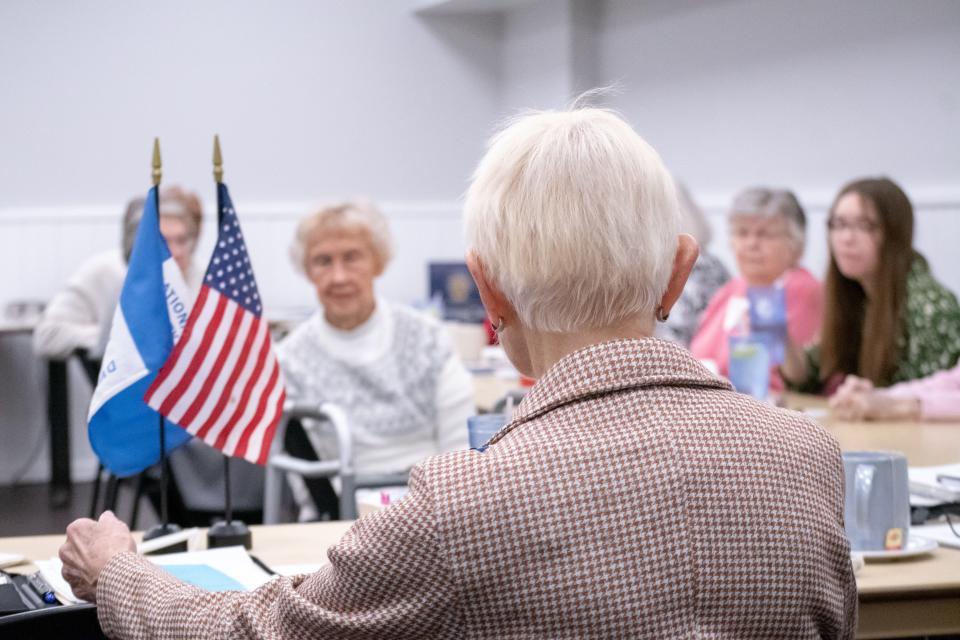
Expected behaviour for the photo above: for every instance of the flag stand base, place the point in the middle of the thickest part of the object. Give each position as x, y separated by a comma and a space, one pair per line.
164, 530
229, 534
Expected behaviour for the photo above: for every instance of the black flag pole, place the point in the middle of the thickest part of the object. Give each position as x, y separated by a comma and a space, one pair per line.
165, 527
227, 532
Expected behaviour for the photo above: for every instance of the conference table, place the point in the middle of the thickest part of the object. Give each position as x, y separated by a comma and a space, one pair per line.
923, 443
908, 597
913, 596
897, 599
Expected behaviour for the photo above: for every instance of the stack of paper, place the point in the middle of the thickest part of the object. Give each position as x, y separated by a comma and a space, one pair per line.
931, 486
224, 569
941, 532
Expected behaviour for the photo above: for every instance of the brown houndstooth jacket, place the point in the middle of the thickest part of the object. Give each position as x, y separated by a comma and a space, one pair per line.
633, 495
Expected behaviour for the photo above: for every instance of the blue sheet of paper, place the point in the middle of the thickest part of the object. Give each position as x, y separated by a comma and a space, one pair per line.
203, 576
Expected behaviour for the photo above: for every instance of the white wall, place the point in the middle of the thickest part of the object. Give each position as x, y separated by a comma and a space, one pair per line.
312, 100
548, 53
323, 99
319, 99
805, 95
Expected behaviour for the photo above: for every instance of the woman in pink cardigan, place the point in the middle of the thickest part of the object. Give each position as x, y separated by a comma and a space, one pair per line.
767, 233
936, 397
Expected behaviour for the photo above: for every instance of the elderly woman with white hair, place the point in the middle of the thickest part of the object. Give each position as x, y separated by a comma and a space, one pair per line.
767, 233
633, 494
392, 369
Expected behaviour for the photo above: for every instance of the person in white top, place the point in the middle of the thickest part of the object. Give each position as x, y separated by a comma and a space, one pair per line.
392, 369
79, 316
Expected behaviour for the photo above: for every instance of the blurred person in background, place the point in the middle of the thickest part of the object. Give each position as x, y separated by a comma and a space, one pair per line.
707, 277
767, 234
886, 318
608, 506
392, 369
79, 316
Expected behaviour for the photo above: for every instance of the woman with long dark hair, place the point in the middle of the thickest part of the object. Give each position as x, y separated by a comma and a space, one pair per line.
886, 318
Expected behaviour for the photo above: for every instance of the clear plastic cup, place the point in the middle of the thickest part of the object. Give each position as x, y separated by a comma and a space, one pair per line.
483, 427
750, 367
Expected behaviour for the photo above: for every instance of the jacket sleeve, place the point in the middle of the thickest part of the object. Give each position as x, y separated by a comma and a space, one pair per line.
811, 383
939, 394
385, 579
69, 322
79, 315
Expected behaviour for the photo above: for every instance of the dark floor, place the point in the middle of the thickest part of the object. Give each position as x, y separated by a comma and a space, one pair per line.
26, 509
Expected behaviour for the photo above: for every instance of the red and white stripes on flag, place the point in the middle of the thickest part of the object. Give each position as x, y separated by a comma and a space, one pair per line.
222, 382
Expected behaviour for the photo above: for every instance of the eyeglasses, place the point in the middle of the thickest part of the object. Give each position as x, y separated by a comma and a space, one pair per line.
177, 241
762, 234
860, 225
351, 260
946, 514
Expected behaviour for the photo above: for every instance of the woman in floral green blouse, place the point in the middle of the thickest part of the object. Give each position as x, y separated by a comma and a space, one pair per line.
886, 318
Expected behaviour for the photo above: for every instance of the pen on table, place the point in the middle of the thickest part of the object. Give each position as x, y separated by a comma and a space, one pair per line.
170, 539
44, 590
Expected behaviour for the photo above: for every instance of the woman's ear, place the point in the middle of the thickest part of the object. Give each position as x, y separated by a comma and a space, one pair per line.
687, 253
496, 304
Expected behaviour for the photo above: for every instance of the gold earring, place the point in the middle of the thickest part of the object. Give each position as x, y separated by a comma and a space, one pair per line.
498, 328
661, 316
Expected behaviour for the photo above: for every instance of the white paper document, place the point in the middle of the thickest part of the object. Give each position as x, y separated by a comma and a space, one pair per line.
940, 532
930, 486
227, 568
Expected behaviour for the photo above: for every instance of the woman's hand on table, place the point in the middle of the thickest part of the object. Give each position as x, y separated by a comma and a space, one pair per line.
853, 399
89, 546
857, 399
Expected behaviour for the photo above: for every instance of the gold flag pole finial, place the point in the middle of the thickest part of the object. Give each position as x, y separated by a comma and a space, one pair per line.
157, 166
217, 160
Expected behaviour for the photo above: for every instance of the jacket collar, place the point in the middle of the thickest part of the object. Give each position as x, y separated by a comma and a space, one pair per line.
612, 366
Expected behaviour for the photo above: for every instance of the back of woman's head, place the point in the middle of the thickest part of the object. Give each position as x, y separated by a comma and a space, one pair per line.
574, 217
855, 339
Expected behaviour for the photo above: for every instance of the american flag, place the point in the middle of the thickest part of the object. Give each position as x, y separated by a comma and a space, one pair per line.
222, 382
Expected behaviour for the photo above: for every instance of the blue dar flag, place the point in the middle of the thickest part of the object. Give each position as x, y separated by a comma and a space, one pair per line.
154, 305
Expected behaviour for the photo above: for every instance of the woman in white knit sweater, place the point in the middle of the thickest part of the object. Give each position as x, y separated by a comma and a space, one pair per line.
393, 370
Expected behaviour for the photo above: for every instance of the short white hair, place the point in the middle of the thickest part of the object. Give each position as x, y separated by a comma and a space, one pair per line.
350, 216
574, 217
770, 203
